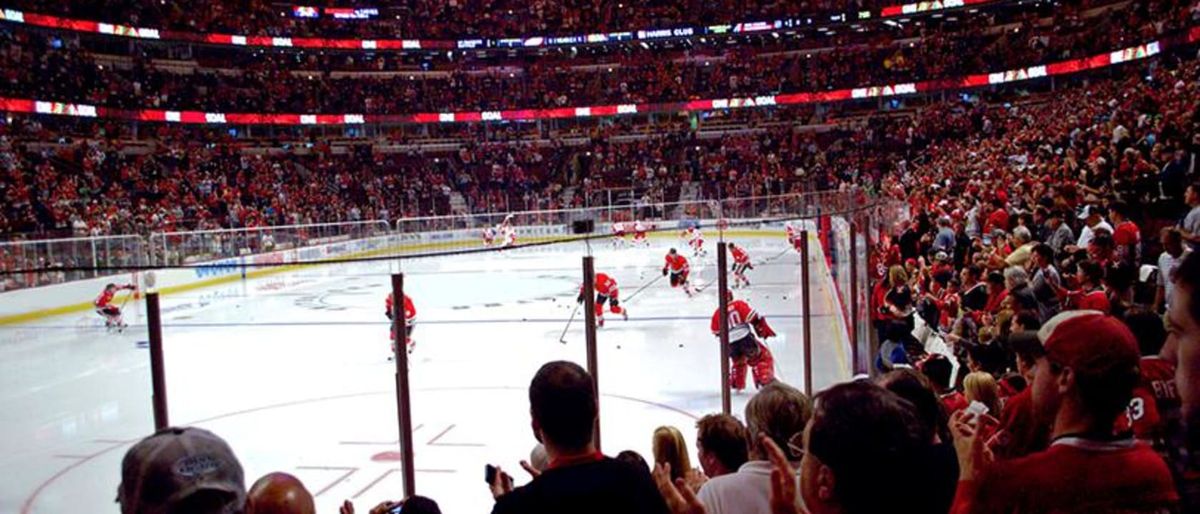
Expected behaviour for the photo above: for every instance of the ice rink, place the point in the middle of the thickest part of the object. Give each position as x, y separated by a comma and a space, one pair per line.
292, 370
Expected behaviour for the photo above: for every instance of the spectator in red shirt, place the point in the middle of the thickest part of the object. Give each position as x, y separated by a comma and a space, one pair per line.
1019, 434
1089, 295
939, 371
998, 219
1126, 236
996, 292
1081, 385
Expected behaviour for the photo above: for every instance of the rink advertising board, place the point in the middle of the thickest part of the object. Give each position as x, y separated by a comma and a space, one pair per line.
33, 303
38, 302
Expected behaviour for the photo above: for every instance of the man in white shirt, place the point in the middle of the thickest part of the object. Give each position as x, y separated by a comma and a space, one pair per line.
1190, 227
780, 411
1173, 253
1093, 220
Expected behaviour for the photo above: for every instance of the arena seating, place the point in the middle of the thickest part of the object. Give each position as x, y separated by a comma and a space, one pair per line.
1027, 200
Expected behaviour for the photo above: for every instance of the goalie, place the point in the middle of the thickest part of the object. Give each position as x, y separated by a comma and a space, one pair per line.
744, 348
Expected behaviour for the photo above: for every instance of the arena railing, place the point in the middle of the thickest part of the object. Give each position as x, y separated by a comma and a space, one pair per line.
63, 260
199, 246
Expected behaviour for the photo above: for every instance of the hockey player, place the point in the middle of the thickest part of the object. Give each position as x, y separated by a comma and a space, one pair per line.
744, 348
618, 234
677, 268
489, 236
410, 321
695, 241
106, 309
639, 234
508, 233
793, 237
606, 291
741, 263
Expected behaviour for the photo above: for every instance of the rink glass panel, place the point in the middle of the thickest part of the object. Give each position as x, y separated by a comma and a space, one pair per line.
291, 365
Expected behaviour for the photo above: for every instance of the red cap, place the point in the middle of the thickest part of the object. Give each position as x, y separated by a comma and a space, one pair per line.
1090, 342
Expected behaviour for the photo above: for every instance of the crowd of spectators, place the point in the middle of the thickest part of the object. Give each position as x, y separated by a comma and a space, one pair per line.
433, 19
99, 186
35, 64
1038, 316
1097, 420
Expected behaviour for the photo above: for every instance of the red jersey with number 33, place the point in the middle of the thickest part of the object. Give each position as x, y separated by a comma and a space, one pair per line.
1154, 399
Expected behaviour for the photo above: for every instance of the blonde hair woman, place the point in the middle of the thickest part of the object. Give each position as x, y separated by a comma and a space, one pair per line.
671, 448
980, 386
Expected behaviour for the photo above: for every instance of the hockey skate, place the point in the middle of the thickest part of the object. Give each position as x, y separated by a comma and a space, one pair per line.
412, 344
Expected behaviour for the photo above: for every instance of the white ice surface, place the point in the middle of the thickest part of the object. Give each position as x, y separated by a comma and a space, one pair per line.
291, 369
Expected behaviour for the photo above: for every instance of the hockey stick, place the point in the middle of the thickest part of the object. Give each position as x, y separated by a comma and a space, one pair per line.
643, 288
562, 339
127, 297
776, 256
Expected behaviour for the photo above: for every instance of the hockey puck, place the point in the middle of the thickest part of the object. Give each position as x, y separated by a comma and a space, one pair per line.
618, 347
681, 345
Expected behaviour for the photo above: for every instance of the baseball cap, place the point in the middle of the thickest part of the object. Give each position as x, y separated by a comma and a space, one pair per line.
164, 471
1089, 342
1089, 210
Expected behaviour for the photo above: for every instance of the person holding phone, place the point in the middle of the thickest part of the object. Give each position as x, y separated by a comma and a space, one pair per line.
1082, 383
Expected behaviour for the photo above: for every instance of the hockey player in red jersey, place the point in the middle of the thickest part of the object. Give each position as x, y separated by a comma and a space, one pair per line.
110, 312
744, 348
677, 269
741, 263
410, 320
606, 291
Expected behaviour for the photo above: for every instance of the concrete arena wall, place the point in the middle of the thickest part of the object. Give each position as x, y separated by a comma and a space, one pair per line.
36, 303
